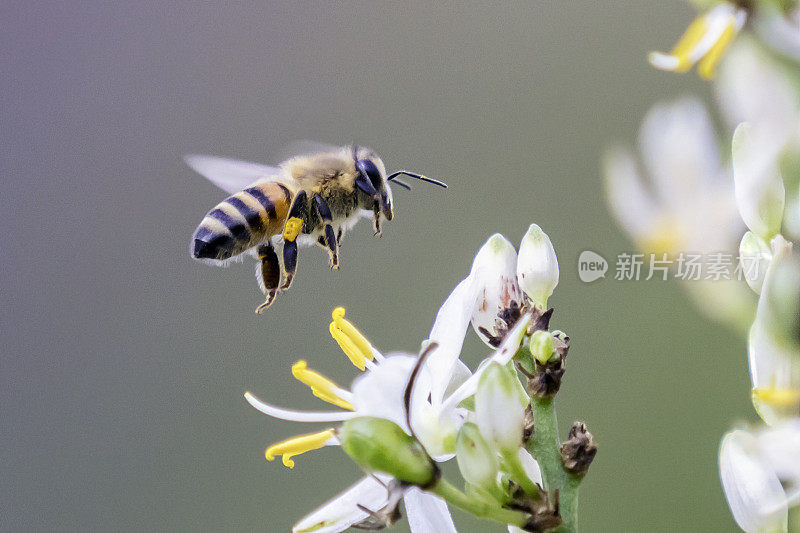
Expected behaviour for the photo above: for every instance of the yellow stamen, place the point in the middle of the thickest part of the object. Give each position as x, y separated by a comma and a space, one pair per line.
292, 229
778, 397
666, 237
352, 342
706, 68
688, 41
297, 445
321, 387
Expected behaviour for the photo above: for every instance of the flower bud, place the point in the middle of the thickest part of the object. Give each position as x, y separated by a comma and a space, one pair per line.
476, 459
754, 258
380, 445
760, 194
499, 300
780, 309
499, 411
537, 266
542, 346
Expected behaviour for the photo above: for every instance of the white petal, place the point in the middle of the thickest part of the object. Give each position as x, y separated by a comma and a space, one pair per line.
629, 200
427, 513
531, 466
679, 150
751, 89
760, 194
297, 416
342, 512
754, 493
502, 356
780, 447
495, 268
717, 21
448, 332
379, 392
663, 61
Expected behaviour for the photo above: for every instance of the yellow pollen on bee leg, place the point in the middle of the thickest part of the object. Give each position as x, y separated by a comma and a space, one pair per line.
352, 342
706, 69
297, 445
322, 387
292, 229
778, 397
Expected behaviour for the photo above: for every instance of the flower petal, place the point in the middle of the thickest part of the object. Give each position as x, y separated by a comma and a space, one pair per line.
342, 511
297, 416
379, 391
448, 332
427, 513
754, 493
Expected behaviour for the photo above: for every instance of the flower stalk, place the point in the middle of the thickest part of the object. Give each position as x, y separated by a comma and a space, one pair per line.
477, 506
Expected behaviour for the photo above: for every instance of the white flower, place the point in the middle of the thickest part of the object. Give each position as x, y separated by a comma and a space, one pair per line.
704, 42
508, 284
683, 205
377, 393
759, 188
760, 473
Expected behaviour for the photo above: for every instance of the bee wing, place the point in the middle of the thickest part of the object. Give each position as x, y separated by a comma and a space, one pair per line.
231, 175
305, 147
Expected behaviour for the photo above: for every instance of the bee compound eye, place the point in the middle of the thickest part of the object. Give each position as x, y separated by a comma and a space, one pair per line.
369, 168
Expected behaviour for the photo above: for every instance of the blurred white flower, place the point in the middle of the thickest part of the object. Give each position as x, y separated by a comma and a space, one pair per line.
780, 30
704, 41
760, 473
683, 202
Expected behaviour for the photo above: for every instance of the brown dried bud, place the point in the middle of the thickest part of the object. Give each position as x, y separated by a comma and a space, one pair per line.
547, 379
527, 428
543, 513
578, 451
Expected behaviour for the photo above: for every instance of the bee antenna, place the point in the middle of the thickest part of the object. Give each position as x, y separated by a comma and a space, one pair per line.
414, 175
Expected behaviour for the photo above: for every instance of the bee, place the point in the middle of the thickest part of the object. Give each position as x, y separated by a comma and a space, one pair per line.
311, 198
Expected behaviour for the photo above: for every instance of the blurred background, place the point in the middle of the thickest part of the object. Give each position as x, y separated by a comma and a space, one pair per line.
124, 362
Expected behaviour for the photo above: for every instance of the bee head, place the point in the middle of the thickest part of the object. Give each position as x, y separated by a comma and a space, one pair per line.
370, 168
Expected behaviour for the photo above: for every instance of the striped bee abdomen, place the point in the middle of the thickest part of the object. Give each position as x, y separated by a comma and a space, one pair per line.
242, 221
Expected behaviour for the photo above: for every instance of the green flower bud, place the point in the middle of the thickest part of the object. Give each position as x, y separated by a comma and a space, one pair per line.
476, 459
542, 346
381, 445
499, 411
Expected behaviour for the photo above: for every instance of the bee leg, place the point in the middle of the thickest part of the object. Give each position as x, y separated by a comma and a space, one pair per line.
293, 228
268, 274
330, 237
366, 186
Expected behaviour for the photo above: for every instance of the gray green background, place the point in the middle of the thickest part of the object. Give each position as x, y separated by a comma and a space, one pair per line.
123, 362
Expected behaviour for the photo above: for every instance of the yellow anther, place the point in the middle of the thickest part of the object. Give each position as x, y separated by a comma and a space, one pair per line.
321, 387
778, 397
706, 69
292, 229
297, 445
688, 41
352, 342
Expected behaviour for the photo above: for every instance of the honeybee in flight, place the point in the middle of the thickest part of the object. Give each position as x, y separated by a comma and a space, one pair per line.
311, 198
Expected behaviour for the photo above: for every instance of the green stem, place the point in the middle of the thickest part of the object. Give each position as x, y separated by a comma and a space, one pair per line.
449, 493
546, 448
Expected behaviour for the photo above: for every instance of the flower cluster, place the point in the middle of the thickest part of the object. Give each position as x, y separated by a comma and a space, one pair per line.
696, 201
405, 414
